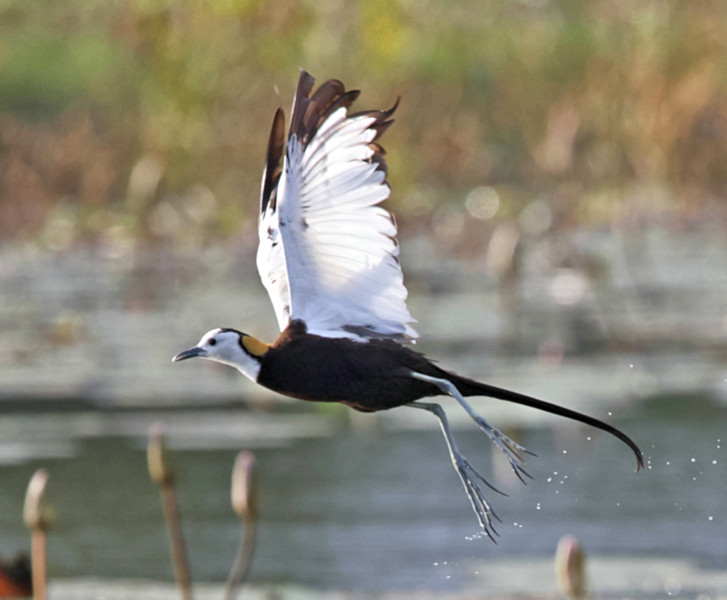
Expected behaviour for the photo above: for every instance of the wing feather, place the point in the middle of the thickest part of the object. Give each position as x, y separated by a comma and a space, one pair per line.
272, 170
328, 253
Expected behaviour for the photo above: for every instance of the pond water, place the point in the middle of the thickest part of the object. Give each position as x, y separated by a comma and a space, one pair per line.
371, 502
370, 509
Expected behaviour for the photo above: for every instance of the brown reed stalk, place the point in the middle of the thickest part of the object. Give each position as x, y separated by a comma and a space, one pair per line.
162, 474
244, 503
37, 518
570, 568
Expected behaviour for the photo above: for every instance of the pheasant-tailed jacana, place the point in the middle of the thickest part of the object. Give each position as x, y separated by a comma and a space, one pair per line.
328, 257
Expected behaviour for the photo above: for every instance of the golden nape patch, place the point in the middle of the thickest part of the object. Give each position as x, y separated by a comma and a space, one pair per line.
254, 346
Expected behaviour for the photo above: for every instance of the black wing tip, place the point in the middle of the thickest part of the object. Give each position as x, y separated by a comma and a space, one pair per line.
305, 83
312, 108
273, 155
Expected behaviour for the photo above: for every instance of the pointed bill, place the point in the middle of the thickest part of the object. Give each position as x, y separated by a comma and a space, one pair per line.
190, 353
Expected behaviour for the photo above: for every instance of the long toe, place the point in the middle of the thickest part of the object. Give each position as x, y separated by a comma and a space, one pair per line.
482, 508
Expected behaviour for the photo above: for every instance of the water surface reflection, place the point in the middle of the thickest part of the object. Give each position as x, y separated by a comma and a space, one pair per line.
365, 509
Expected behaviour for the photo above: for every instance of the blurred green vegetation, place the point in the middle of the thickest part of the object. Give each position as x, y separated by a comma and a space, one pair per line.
143, 120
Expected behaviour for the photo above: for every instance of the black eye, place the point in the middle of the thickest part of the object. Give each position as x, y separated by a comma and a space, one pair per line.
212, 342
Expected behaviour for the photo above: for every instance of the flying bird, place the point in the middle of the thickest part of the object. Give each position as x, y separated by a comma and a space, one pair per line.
328, 257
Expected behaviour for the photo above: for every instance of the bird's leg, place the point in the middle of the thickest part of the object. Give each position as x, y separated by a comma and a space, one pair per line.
508, 447
467, 473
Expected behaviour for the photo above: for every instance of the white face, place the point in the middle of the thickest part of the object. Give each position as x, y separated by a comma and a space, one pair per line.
224, 346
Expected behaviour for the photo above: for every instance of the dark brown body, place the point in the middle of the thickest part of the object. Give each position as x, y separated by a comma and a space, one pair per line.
368, 376
377, 375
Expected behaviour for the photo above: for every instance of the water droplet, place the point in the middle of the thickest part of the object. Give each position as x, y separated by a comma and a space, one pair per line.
672, 587
565, 451
710, 518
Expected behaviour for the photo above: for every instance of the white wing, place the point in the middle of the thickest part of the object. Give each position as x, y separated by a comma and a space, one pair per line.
328, 254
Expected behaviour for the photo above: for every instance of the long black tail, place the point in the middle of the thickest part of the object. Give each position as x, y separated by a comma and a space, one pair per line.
469, 387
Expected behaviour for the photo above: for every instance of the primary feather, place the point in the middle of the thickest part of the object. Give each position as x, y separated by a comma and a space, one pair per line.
328, 254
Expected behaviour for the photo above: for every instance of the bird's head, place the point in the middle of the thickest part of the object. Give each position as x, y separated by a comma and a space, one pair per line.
229, 347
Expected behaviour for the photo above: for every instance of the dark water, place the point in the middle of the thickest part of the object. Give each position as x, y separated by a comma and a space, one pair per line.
367, 509
373, 503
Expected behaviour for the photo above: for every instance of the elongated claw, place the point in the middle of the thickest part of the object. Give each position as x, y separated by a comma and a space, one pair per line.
479, 502
467, 474
508, 447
